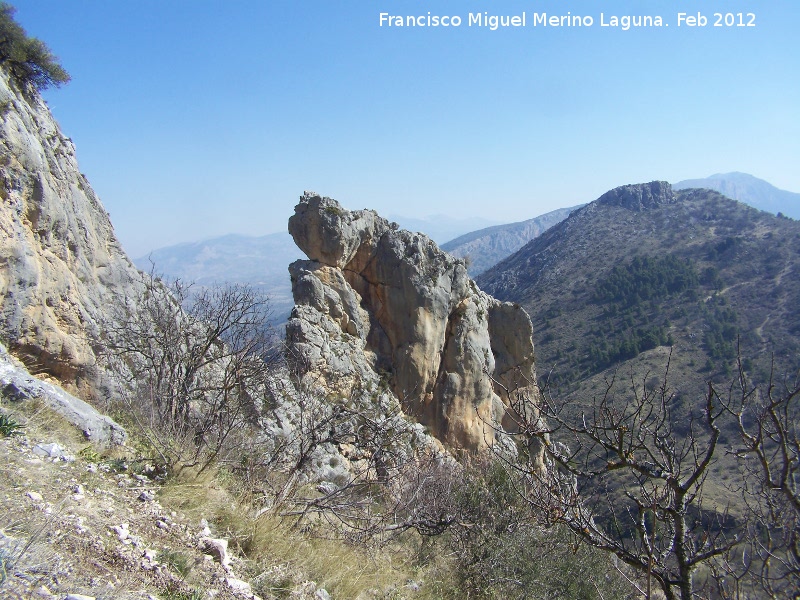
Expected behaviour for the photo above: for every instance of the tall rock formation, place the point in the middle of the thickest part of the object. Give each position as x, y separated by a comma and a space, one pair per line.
61, 266
378, 303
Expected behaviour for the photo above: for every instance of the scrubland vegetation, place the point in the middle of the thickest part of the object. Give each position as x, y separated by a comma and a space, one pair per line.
646, 493
629, 503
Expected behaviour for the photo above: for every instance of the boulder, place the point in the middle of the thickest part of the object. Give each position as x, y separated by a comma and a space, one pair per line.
17, 385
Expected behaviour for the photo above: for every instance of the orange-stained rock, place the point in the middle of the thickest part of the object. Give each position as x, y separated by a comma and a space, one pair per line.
378, 304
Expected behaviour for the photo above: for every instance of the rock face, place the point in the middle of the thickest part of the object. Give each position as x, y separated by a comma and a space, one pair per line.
17, 385
376, 302
61, 265
639, 196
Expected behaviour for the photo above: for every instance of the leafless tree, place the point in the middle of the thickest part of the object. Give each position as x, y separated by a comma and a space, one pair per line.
392, 485
193, 367
767, 417
623, 480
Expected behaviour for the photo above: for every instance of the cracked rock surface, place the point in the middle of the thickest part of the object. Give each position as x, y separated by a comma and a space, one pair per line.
377, 303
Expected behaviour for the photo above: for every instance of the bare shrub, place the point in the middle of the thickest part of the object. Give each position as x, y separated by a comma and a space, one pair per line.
193, 367
767, 417
623, 480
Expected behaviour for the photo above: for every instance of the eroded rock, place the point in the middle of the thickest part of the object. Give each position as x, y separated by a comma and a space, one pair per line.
61, 266
640, 196
376, 303
17, 385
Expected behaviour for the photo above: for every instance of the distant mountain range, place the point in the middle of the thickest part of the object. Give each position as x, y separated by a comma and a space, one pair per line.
750, 190
442, 228
486, 247
263, 261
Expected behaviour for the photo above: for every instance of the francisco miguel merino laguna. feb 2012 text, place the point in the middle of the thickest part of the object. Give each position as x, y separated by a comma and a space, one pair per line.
524, 19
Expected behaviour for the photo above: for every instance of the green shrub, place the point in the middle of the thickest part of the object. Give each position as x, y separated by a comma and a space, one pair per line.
501, 552
177, 561
9, 426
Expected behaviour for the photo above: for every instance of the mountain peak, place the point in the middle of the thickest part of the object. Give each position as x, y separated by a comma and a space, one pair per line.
750, 190
640, 196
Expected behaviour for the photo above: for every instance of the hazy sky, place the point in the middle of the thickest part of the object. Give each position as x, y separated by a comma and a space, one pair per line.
198, 118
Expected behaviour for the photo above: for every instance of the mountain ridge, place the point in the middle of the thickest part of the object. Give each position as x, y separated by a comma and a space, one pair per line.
743, 272
486, 247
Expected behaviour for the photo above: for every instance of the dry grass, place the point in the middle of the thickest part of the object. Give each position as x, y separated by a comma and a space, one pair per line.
282, 555
280, 559
54, 537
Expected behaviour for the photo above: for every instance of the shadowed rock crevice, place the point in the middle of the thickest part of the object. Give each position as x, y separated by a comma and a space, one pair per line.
374, 299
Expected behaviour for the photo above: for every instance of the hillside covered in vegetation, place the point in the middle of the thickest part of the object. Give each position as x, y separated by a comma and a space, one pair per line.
704, 274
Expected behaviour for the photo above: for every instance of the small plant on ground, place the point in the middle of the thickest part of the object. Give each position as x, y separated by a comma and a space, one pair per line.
9, 426
90, 454
4, 560
182, 595
177, 561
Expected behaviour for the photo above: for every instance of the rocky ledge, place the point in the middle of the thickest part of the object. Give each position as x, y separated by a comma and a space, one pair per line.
640, 196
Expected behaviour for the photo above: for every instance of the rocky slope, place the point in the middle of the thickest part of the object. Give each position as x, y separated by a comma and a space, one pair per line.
61, 266
487, 247
379, 304
86, 525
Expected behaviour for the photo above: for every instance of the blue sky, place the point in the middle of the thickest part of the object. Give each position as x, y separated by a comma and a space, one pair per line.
197, 118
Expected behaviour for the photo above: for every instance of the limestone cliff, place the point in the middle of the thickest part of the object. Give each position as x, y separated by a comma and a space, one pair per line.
61, 266
376, 302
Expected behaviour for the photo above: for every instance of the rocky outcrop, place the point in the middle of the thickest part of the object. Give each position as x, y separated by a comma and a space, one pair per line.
375, 303
61, 266
639, 196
